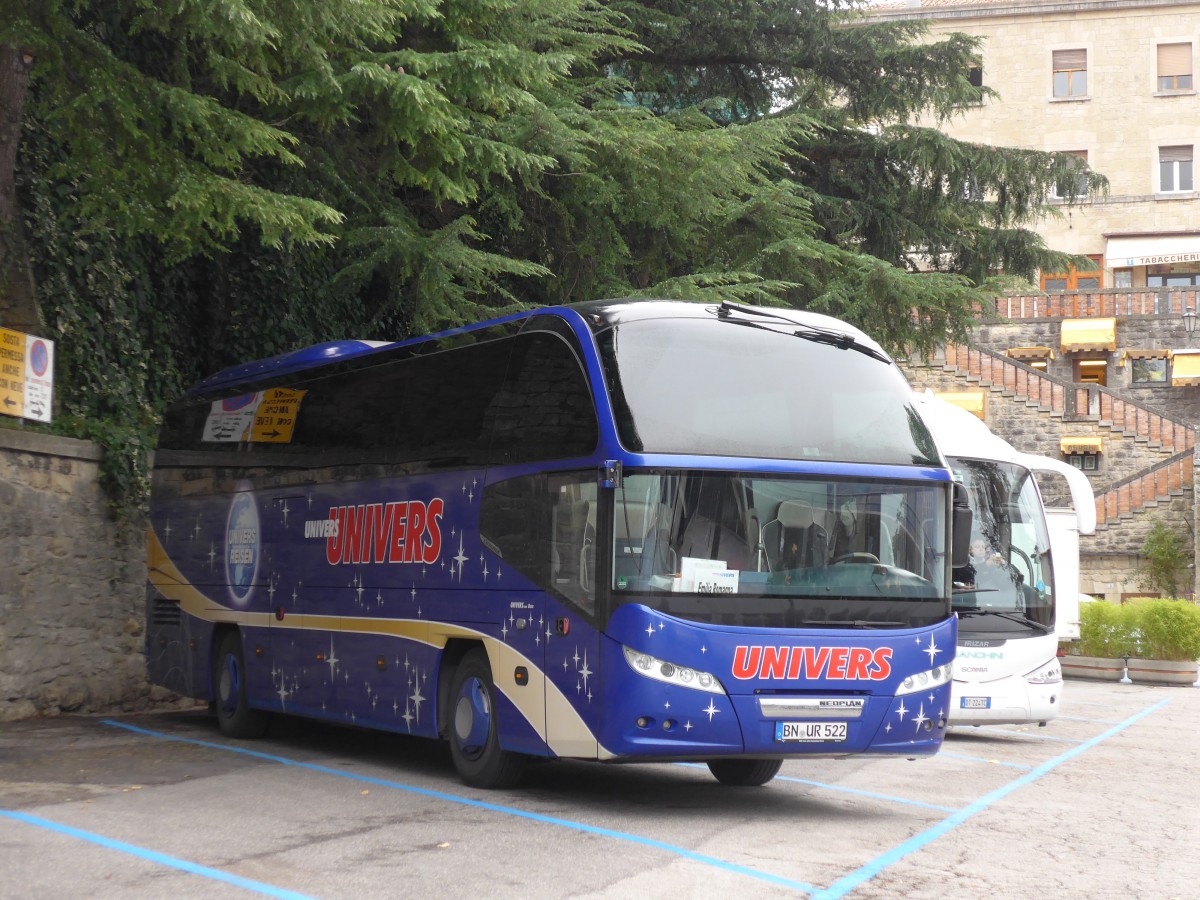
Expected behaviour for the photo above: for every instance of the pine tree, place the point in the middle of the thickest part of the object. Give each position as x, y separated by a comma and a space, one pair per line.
903, 217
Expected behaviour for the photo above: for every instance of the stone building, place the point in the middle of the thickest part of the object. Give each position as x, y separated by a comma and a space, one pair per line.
1112, 82
1101, 367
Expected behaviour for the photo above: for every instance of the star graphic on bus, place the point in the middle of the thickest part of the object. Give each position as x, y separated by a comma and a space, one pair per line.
920, 718
933, 649
461, 558
331, 659
711, 710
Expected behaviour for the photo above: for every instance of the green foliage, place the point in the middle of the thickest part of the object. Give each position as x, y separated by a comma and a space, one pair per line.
1107, 630
209, 183
1166, 560
1146, 629
1169, 629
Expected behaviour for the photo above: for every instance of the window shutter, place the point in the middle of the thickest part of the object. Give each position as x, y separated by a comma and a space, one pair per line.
1174, 59
1175, 154
1070, 60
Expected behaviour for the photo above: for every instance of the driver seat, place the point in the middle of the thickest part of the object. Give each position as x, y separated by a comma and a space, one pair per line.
794, 539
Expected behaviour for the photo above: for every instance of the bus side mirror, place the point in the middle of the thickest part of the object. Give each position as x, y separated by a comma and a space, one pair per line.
961, 528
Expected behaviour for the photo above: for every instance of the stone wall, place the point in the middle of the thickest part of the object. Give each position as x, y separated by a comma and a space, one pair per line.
71, 586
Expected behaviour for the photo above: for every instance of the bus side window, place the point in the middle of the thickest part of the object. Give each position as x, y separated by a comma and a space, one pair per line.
567, 563
545, 528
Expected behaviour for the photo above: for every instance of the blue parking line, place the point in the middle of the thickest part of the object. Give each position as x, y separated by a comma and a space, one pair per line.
1086, 720
492, 807
982, 759
890, 798
871, 794
1032, 735
844, 885
155, 857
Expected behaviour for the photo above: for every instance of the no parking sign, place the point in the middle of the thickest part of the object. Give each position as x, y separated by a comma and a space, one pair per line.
26, 375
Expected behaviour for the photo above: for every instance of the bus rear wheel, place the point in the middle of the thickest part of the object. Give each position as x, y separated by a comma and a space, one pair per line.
474, 739
235, 718
744, 772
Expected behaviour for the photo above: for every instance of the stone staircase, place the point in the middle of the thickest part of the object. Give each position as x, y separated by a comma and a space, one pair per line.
1092, 406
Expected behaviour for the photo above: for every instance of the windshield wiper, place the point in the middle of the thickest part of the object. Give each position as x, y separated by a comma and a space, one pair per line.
1012, 617
838, 339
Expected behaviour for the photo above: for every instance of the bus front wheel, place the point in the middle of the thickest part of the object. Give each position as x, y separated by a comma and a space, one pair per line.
235, 718
744, 772
474, 738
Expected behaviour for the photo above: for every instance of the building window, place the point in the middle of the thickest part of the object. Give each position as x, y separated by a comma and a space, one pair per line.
970, 189
1122, 278
1175, 169
1088, 462
975, 79
1070, 73
1149, 371
1075, 280
1062, 190
1091, 371
1174, 67
1175, 279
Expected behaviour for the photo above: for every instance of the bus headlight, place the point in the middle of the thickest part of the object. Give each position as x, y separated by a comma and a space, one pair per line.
924, 681
669, 673
1050, 673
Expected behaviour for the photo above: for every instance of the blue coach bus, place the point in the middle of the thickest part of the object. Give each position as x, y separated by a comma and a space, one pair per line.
621, 531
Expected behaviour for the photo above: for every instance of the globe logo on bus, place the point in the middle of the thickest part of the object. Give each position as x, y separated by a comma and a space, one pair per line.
242, 547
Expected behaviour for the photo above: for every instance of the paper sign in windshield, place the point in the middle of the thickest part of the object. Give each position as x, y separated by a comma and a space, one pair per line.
707, 576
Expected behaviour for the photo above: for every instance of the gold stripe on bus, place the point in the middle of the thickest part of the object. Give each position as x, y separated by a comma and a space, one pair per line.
570, 735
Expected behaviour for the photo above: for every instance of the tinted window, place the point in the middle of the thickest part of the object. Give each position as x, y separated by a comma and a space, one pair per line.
720, 388
430, 410
423, 408
545, 411
544, 526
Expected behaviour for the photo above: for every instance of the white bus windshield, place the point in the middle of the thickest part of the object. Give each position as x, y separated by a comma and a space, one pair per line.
1009, 581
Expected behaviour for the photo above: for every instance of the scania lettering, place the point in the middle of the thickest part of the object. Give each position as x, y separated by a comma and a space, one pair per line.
614, 531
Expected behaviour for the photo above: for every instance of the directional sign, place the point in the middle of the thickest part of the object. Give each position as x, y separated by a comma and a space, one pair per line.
275, 419
26, 375
264, 417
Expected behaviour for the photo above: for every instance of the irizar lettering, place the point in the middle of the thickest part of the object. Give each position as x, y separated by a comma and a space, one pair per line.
403, 531
831, 663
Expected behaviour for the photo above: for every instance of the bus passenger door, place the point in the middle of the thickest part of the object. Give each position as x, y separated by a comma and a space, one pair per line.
572, 640
543, 526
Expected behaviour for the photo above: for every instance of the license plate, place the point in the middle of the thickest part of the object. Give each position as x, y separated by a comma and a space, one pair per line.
975, 703
810, 731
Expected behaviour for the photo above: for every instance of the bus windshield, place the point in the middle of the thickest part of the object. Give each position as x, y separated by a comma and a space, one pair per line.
1008, 585
684, 386
837, 550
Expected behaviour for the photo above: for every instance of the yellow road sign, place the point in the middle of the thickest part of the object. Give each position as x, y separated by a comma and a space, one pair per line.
275, 418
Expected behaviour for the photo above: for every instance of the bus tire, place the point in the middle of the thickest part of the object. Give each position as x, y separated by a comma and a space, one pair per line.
474, 741
744, 772
235, 717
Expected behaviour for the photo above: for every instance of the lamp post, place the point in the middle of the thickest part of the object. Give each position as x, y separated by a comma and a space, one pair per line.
1189, 320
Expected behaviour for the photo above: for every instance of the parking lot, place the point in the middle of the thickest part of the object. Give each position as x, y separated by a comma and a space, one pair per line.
1103, 802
